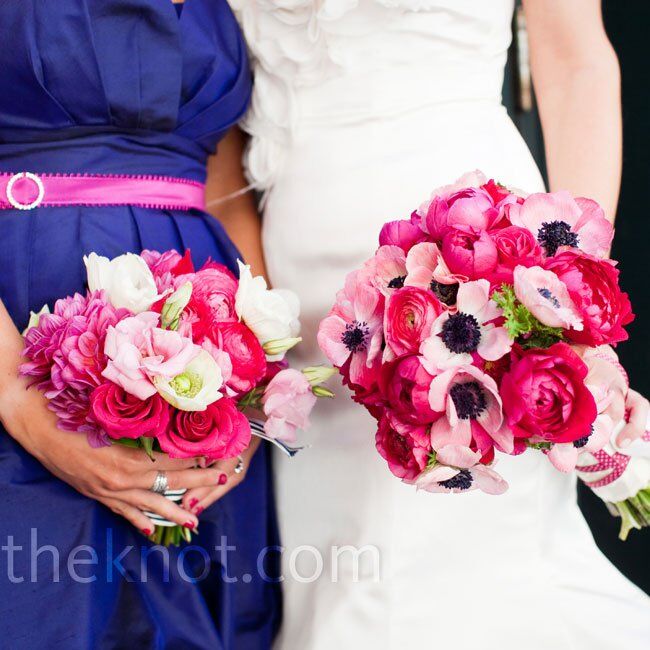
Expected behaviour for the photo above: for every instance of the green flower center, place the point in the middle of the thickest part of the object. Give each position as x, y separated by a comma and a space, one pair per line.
187, 384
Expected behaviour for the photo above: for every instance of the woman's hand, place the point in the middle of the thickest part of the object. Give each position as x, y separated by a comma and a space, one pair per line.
639, 408
119, 477
198, 499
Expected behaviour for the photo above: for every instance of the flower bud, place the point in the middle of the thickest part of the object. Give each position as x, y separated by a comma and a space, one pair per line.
318, 374
321, 391
174, 306
280, 346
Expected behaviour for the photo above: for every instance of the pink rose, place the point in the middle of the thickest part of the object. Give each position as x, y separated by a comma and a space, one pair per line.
515, 247
545, 397
246, 353
593, 285
406, 458
288, 400
403, 233
122, 415
405, 386
221, 431
409, 316
470, 252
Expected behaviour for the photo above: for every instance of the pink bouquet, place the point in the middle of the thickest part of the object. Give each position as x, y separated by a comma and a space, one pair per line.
160, 356
473, 330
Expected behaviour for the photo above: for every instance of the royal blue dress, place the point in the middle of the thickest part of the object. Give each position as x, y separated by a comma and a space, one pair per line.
119, 87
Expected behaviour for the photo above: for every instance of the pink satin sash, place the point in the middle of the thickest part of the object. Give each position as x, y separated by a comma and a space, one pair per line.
27, 191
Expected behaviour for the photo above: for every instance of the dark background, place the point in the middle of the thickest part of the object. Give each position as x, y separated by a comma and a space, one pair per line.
628, 26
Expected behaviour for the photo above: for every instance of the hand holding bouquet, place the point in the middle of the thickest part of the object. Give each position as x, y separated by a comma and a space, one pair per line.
163, 357
473, 330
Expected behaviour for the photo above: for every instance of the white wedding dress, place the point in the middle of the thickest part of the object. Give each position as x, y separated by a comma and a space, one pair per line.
360, 109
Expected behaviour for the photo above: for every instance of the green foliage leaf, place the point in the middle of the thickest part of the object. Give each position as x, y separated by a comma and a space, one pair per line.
521, 325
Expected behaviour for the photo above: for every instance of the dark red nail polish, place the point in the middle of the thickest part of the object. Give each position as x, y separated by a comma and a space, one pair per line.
222, 479
199, 510
193, 502
146, 532
189, 524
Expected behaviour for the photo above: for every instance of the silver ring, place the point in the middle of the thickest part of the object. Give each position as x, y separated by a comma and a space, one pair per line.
160, 483
239, 467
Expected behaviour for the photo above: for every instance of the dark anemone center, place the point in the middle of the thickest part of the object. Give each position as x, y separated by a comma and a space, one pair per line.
355, 337
461, 333
546, 293
397, 283
554, 234
446, 293
468, 399
581, 442
462, 481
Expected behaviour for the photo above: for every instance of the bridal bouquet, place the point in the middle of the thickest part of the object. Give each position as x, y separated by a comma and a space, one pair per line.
163, 357
479, 326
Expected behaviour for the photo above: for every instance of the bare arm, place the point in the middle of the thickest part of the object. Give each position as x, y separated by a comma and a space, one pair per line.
577, 81
238, 214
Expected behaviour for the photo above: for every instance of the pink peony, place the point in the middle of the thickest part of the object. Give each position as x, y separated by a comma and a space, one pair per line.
221, 431
121, 415
404, 385
458, 469
545, 397
593, 286
469, 252
139, 351
472, 412
410, 313
406, 458
403, 233
353, 329
546, 297
469, 330
248, 361
288, 400
515, 247
558, 220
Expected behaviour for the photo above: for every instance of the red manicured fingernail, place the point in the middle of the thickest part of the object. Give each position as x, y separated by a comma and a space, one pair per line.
222, 479
146, 532
193, 502
198, 511
189, 524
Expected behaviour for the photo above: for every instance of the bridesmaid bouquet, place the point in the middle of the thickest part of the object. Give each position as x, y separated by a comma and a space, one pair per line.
162, 357
480, 325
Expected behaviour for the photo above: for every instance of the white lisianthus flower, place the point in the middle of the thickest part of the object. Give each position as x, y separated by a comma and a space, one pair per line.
271, 314
198, 386
126, 279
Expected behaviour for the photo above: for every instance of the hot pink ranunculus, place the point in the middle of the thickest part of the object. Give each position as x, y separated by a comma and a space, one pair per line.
404, 233
246, 354
121, 415
558, 220
168, 262
545, 397
515, 247
288, 401
469, 252
404, 384
138, 351
593, 286
410, 314
221, 431
406, 458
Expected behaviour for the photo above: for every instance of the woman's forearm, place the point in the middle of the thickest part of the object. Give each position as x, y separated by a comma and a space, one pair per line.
236, 212
577, 81
11, 346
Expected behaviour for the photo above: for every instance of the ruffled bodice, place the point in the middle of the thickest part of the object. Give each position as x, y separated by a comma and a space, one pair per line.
341, 61
111, 77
